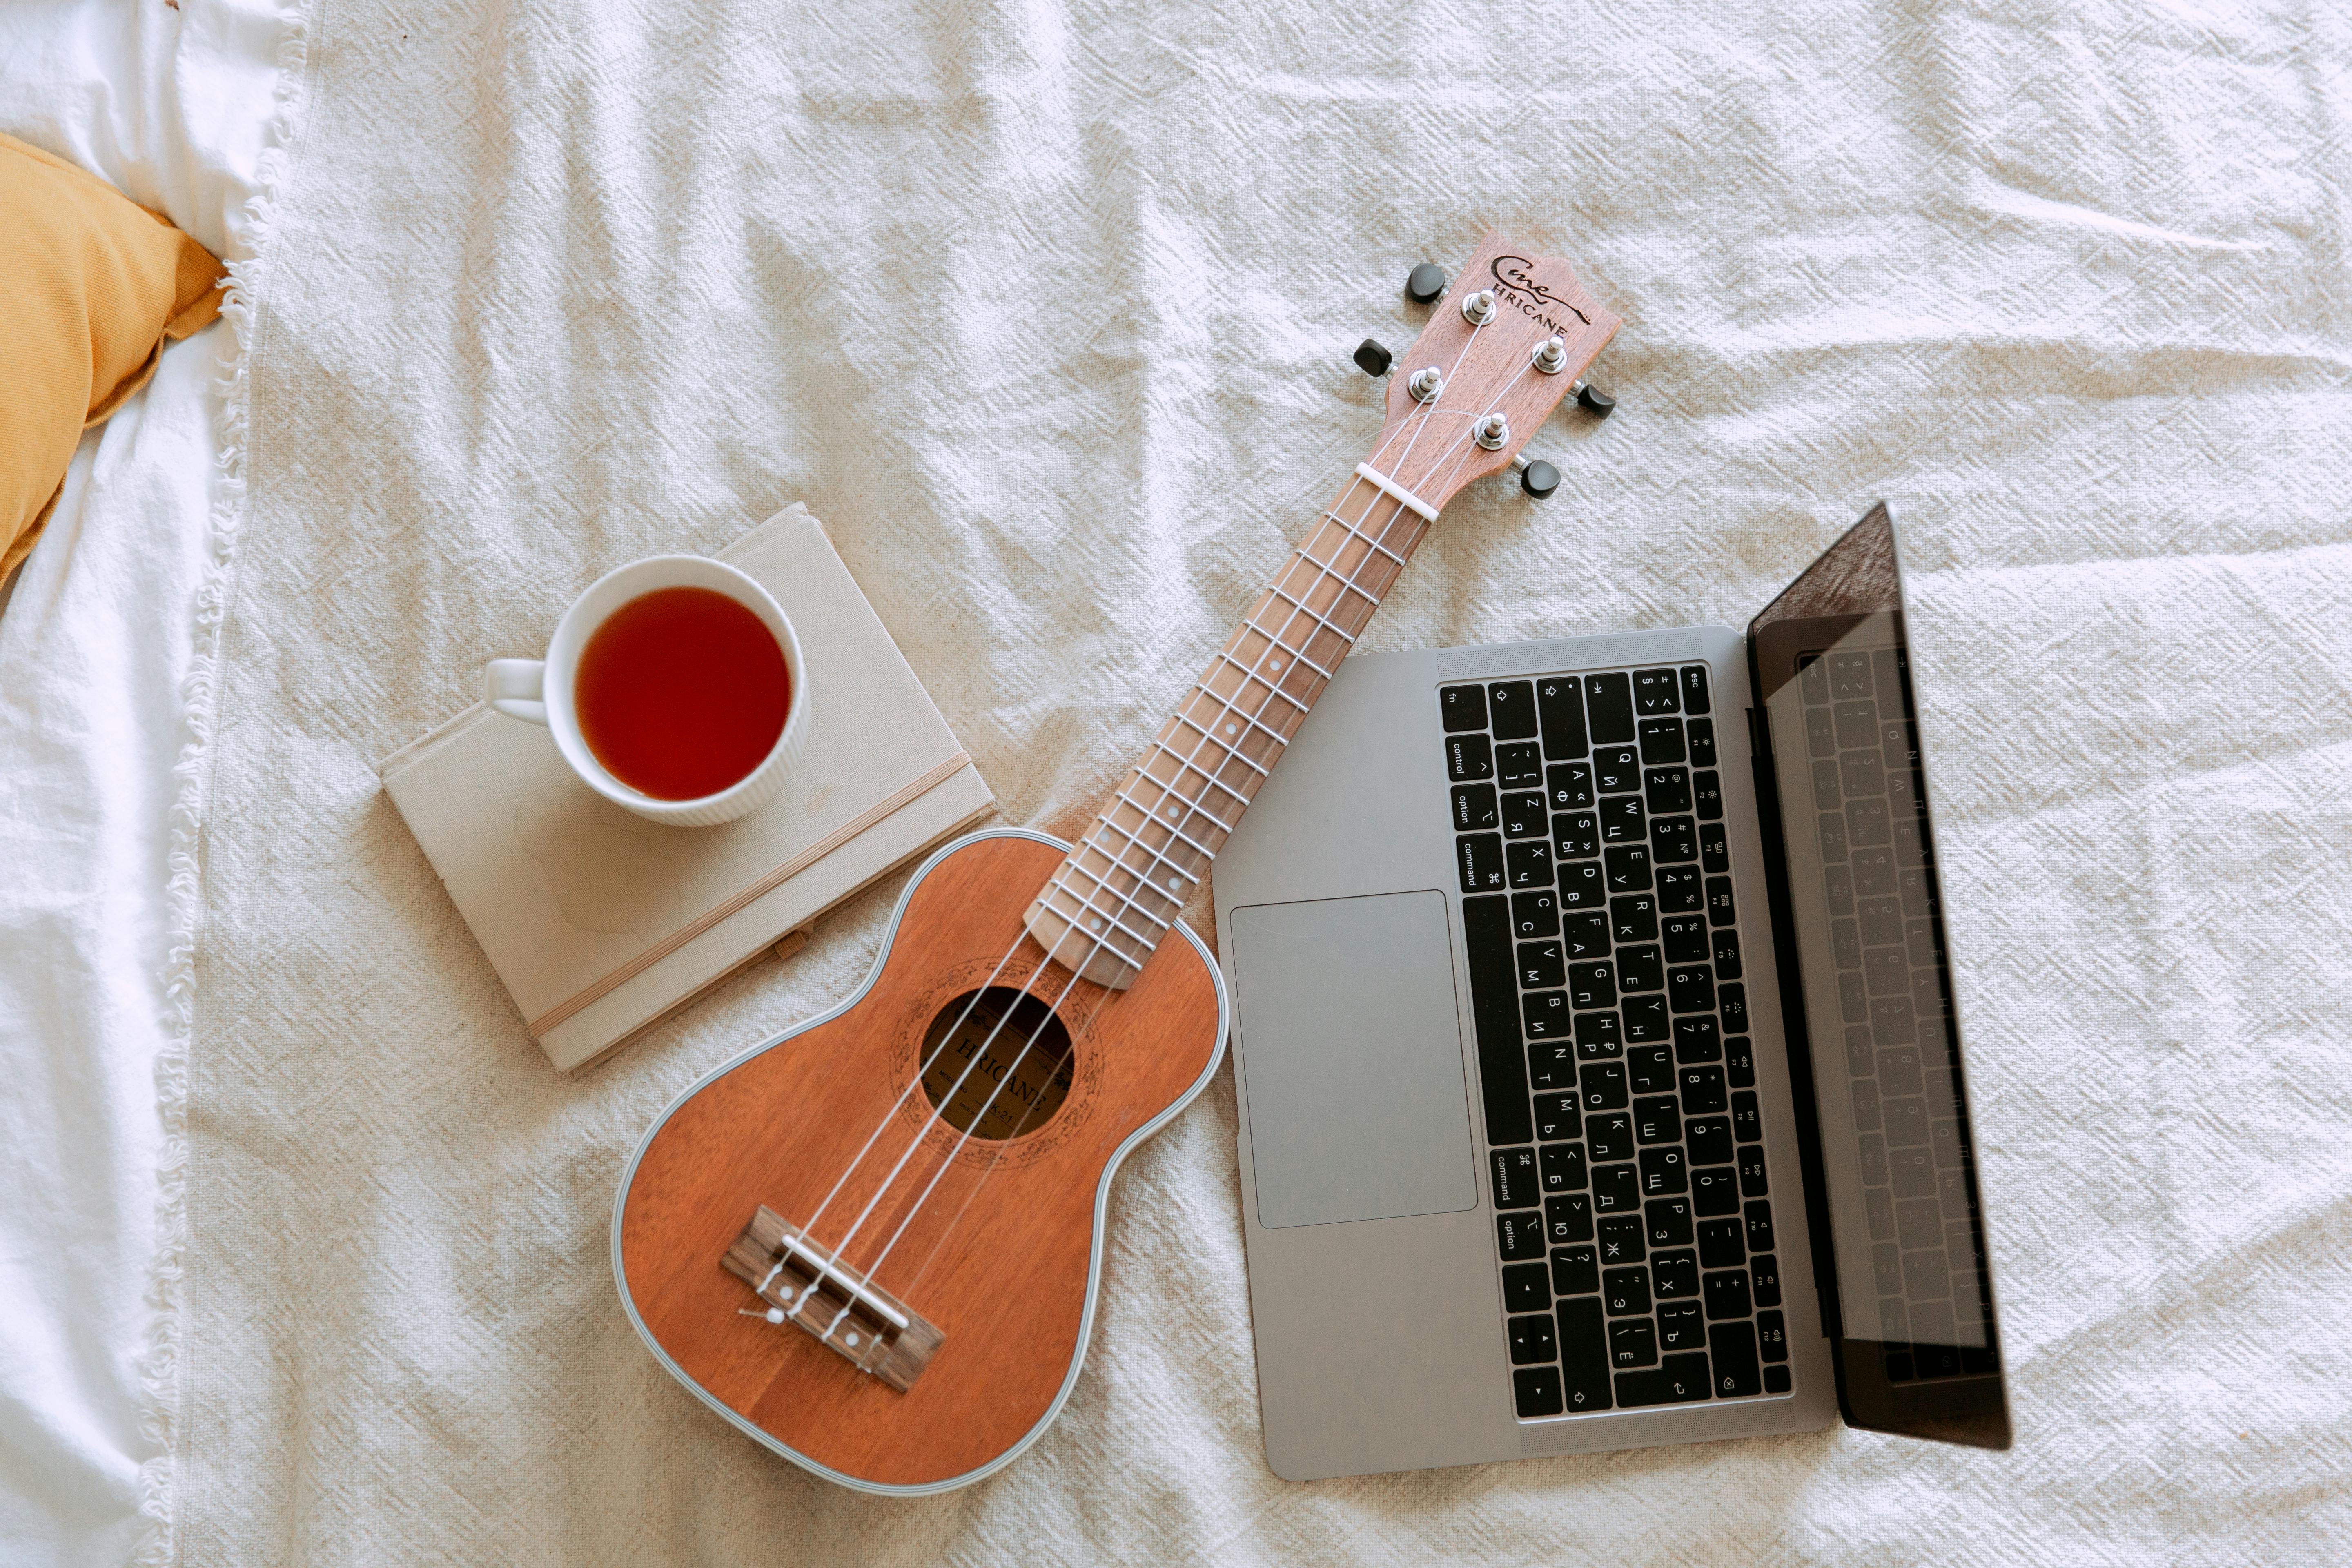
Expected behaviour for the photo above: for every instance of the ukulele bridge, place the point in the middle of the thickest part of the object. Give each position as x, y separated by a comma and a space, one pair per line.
847, 1313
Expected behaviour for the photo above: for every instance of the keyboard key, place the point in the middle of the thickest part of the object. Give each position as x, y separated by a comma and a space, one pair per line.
1673, 841
1609, 708
1559, 702
1661, 741
1726, 1294
1831, 825
1696, 1039
1597, 1035
1667, 1222
1524, 815
1529, 863
1771, 1336
1535, 913
1461, 707
1623, 1241
1592, 985
1531, 1340
1535, 1391
1656, 691
1474, 809
1610, 1136
1514, 1172
1469, 757
1625, 1291
1519, 1236
1858, 725
1878, 1213
1621, 821
1561, 1167
1617, 770
1673, 1276
1714, 848
1752, 1184
1709, 1139
1557, 1119
1642, 969
1887, 1269
1646, 1019
1551, 1064
1707, 799
1526, 1287
1727, 954
1583, 1353
1777, 1380
1820, 733
1686, 939
1691, 989
1664, 1172
1679, 891
1676, 1380
1700, 735
1694, 694
1568, 787
1583, 885
1913, 1172
1758, 1215
1813, 681
1541, 965
1650, 1070
1682, 1326
1511, 708
1722, 1243
1616, 1189
1567, 1219
1479, 857
1731, 1351
1520, 765
1739, 1062
1585, 936
1666, 790
1575, 836
1731, 1001
1502, 1076
1714, 1190
1927, 1276
1746, 1121
1604, 1086
1628, 867
1575, 1271
1719, 901
1766, 1274
1632, 1342
1544, 1015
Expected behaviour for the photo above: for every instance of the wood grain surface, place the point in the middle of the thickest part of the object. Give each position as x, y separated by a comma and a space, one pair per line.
997, 1254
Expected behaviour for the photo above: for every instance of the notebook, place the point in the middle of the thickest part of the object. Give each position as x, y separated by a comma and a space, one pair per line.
601, 922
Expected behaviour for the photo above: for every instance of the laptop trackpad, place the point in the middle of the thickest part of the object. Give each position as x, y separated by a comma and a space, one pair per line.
1351, 1051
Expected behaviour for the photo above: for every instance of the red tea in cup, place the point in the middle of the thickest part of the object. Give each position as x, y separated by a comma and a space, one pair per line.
681, 693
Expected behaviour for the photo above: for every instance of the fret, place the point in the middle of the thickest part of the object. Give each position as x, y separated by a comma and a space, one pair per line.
1279, 739
1132, 896
1304, 610
1127, 900
1209, 737
1110, 821
1367, 537
1346, 581
1230, 755
1148, 817
1197, 802
1099, 915
1248, 675
1295, 653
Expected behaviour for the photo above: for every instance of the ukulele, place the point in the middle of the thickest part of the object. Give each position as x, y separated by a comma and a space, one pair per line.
873, 1242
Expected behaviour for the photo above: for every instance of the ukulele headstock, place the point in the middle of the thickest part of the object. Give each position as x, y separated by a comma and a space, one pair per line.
1433, 446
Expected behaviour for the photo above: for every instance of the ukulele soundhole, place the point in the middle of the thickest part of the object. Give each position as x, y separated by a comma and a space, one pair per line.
1023, 1069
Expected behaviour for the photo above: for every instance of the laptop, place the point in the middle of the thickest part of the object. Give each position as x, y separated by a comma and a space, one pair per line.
1599, 1075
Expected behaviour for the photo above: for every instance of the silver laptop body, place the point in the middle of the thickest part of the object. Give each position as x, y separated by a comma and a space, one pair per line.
1532, 1159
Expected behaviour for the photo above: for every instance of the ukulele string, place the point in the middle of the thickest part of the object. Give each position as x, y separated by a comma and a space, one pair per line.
837, 1252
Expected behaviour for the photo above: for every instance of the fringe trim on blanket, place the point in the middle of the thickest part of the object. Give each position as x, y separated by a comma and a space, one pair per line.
158, 1370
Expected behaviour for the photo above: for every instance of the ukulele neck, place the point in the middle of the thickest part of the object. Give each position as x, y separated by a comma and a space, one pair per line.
1120, 891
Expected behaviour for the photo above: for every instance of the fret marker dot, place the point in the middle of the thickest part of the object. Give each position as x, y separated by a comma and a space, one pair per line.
1233, 728
1276, 665
775, 1314
1095, 924
852, 1341
1175, 884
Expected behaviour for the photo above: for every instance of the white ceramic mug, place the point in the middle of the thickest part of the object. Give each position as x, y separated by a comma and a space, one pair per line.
540, 690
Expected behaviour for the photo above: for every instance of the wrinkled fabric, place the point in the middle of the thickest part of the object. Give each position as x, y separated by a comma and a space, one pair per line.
1047, 309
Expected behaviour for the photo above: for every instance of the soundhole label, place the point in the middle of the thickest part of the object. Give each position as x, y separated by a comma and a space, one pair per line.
1023, 1070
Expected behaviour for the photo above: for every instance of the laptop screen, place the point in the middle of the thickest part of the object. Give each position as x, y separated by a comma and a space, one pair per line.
1867, 982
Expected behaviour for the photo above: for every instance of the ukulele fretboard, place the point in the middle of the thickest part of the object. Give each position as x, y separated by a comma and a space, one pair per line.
1120, 891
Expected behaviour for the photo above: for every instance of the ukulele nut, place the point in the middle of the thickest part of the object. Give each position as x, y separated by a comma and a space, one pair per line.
1551, 355
1492, 432
1428, 384
1479, 309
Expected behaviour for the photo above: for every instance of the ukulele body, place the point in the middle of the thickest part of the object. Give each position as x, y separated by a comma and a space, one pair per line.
1002, 1257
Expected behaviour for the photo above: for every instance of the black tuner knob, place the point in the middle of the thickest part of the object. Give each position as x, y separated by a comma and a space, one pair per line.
1538, 478
1595, 402
1373, 359
1424, 283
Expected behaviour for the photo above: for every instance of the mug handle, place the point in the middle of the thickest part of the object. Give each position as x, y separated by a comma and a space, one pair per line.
517, 687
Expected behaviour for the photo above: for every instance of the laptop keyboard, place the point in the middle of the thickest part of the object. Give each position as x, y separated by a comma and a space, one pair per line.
1886, 938
1634, 1216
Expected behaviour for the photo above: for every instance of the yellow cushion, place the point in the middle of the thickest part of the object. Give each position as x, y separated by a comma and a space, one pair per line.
95, 285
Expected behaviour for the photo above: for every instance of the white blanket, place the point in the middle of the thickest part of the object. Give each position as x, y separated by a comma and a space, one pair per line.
1045, 311
97, 648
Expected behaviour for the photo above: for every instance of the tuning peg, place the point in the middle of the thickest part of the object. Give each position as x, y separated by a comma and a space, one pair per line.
1538, 478
1594, 401
1373, 359
1425, 283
